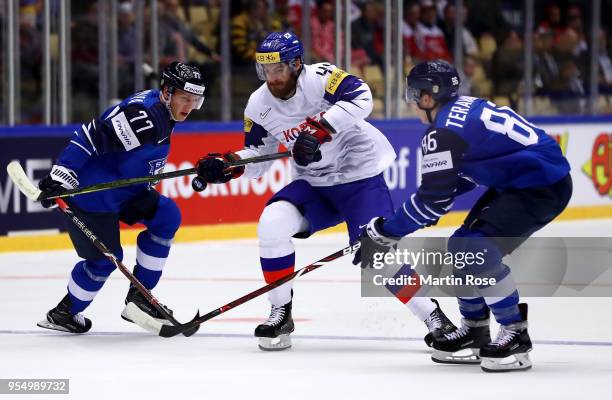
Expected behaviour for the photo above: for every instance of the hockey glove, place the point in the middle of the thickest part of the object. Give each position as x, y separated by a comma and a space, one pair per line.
57, 182
213, 168
374, 240
313, 135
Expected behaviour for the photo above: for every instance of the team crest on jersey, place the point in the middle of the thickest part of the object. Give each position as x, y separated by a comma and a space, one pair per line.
157, 166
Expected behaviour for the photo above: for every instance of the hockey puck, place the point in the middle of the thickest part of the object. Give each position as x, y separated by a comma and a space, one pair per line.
198, 184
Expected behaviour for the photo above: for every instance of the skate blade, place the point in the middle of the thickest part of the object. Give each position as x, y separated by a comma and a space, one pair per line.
515, 362
281, 342
463, 356
50, 325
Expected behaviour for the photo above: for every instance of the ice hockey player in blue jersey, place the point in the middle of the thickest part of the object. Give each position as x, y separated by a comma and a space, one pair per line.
128, 140
469, 142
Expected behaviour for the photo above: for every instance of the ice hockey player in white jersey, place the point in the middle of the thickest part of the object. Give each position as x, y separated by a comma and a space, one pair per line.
316, 111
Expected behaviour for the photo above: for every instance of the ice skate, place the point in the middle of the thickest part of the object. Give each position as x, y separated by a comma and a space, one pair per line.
274, 333
60, 319
510, 350
463, 345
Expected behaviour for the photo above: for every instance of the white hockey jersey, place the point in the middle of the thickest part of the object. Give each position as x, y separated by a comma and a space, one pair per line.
357, 150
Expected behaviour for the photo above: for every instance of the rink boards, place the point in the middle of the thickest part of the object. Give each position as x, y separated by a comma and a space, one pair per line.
231, 210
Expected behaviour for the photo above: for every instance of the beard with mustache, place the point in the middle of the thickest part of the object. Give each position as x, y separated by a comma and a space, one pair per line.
283, 90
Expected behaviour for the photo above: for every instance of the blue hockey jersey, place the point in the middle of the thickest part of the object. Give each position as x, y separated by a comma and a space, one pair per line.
128, 140
473, 142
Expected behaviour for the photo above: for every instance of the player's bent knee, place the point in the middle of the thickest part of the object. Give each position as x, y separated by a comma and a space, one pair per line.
473, 252
280, 220
101, 266
167, 219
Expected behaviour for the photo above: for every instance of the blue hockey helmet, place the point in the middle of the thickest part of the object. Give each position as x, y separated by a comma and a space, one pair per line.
278, 47
438, 78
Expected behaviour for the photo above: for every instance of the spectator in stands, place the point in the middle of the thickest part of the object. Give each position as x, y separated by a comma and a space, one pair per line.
605, 65
429, 38
486, 17
323, 30
180, 33
545, 65
574, 22
448, 26
508, 67
126, 48
411, 21
248, 29
30, 47
84, 55
551, 24
284, 15
367, 33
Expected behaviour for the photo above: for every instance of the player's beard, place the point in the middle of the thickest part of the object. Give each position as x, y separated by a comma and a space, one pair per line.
283, 90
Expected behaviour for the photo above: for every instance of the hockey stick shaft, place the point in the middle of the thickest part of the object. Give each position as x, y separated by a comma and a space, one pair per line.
65, 208
165, 175
169, 331
18, 176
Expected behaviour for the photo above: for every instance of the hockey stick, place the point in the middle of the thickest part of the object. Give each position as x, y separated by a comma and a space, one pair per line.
134, 312
169, 331
19, 177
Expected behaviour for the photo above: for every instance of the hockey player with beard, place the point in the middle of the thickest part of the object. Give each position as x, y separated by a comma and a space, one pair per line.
473, 141
131, 139
316, 111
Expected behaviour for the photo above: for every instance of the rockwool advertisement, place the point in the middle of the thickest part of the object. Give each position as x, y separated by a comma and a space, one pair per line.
588, 147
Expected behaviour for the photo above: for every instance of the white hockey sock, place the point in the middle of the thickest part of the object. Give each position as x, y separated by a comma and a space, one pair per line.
277, 225
421, 307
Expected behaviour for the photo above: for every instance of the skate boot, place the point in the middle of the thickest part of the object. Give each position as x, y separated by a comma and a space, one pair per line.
463, 345
274, 333
134, 296
60, 319
438, 325
510, 350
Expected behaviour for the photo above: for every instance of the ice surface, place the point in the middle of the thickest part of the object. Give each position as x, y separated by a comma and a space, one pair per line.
345, 346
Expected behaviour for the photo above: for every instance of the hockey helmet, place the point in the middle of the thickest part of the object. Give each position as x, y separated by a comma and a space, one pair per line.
438, 78
278, 47
184, 77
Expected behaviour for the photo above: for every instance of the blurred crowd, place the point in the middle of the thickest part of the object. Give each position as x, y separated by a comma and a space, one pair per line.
189, 30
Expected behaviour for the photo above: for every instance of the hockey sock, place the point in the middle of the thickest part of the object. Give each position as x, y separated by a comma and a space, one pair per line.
277, 225
86, 279
502, 298
151, 256
472, 308
421, 307
275, 268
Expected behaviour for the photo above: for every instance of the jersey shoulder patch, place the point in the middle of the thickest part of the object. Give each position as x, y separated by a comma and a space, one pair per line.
334, 80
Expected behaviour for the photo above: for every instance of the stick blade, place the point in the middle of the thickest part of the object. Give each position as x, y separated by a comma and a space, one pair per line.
142, 319
173, 330
191, 331
20, 179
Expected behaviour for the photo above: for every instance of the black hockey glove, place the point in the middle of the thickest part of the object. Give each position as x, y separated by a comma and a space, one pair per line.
374, 240
213, 168
57, 182
313, 135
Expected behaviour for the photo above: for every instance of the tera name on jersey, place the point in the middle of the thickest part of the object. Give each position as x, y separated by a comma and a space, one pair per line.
459, 111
